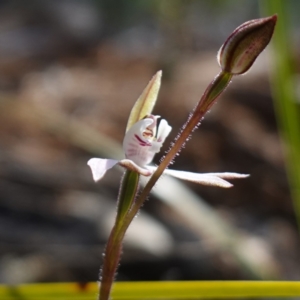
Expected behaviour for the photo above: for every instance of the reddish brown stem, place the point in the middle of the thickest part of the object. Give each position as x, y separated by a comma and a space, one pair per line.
112, 255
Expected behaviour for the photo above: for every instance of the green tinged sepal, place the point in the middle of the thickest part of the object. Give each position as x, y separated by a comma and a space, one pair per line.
127, 194
244, 45
142, 107
145, 103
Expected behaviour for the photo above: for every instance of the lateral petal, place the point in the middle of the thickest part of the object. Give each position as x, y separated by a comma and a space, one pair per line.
229, 175
212, 179
163, 130
99, 166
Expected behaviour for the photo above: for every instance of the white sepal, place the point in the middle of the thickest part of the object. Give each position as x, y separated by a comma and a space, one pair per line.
212, 179
99, 166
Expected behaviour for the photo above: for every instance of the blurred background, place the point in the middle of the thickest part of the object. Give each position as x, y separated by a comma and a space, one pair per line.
70, 71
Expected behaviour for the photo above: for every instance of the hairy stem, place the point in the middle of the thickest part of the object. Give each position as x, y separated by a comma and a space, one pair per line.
113, 250
112, 257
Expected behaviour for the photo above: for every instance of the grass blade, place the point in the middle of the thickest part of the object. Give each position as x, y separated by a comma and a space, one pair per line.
175, 290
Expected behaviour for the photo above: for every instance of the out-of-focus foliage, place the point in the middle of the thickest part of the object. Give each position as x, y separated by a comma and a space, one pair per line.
284, 87
156, 290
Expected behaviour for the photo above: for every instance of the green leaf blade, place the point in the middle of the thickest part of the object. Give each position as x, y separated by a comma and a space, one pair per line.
176, 290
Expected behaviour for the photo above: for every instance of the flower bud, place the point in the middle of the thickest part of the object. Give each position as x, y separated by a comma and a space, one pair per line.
245, 43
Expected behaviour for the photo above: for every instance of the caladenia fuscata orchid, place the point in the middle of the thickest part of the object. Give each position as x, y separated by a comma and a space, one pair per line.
140, 145
143, 139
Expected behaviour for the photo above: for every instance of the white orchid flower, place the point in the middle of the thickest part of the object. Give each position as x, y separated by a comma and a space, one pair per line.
142, 141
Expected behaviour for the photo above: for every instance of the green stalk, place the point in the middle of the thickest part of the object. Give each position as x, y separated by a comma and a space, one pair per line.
284, 94
128, 191
112, 254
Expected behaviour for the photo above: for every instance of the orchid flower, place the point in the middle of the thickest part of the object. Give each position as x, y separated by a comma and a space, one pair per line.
141, 142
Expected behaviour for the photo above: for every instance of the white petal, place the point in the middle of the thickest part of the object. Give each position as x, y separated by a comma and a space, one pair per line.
138, 148
213, 179
228, 175
164, 130
137, 129
141, 149
130, 165
134, 137
99, 166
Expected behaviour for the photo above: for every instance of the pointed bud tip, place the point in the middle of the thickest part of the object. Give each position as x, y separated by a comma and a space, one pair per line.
274, 18
246, 42
270, 21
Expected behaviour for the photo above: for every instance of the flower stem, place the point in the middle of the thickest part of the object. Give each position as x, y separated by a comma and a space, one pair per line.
112, 253
111, 260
